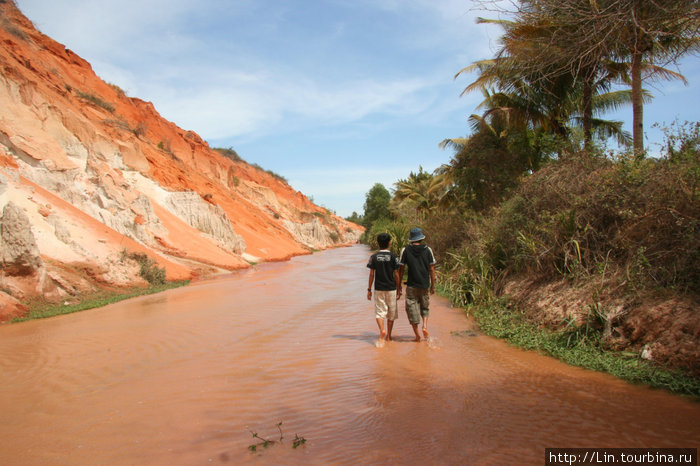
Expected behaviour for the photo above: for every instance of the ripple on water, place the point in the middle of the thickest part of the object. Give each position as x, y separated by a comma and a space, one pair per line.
183, 378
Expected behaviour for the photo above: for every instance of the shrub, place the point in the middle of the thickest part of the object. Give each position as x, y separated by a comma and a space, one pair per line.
165, 146
93, 99
229, 153
397, 229
148, 270
120, 92
586, 214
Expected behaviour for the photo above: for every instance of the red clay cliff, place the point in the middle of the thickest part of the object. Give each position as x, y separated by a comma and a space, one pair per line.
89, 175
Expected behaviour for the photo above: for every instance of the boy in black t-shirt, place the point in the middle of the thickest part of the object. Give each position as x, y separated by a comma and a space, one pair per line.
421, 280
384, 273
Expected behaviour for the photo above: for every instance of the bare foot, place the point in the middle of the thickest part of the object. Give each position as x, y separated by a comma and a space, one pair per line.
417, 338
388, 338
425, 333
382, 336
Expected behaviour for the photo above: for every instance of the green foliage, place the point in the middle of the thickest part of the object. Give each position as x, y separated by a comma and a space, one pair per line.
420, 193
42, 309
466, 278
148, 269
578, 346
583, 213
397, 229
298, 441
271, 173
355, 218
490, 163
165, 146
229, 153
631, 223
376, 205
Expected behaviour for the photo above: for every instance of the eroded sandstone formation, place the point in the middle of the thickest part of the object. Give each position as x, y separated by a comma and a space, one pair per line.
90, 174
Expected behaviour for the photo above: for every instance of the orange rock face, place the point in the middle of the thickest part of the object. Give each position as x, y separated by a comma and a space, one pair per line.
100, 174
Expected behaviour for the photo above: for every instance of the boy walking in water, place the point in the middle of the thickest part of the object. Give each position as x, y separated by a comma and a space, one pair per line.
383, 271
421, 280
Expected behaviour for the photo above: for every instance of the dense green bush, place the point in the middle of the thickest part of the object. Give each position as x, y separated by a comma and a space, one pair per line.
397, 229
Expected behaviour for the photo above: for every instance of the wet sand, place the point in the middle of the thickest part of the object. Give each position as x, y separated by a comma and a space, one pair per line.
183, 377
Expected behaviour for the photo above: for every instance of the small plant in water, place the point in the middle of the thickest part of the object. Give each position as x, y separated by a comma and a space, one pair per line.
263, 442
298, 441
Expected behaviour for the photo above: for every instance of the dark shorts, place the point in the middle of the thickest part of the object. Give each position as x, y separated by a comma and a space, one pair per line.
417, 303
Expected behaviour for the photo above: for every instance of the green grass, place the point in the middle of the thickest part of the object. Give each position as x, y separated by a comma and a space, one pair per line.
578, 348
42, 309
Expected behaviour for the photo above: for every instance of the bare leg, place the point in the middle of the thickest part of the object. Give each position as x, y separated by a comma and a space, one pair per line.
380, 324
425, 328
415, 330
389, 328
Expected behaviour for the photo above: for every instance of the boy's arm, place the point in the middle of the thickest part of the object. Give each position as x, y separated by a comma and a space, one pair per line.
369, 287
432, 278
397, 279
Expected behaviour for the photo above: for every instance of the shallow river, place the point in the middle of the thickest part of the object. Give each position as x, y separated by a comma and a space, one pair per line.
186, 376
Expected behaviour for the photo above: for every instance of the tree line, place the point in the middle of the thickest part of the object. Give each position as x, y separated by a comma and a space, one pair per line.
559, 67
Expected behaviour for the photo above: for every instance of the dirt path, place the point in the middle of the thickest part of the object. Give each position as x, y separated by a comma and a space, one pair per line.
183, 377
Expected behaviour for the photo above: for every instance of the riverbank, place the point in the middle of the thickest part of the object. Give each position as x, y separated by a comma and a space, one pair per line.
576, 346
40, 309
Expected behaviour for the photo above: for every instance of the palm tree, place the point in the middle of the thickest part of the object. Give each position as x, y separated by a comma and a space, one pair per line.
532, 93
583, 38
421, 192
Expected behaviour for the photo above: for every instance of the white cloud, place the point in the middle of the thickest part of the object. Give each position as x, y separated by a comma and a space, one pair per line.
221, 91
220, 103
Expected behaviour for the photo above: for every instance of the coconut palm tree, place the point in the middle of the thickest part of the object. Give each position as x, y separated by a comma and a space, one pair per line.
421, 192
583, 38
531, 93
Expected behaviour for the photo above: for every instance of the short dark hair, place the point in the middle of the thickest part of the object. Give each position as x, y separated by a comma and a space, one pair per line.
383, 239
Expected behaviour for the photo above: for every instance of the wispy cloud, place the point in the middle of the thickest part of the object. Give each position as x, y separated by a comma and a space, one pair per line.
155, 49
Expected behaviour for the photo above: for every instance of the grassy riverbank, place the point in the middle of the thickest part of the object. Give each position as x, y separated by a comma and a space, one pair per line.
40, 309
578, 347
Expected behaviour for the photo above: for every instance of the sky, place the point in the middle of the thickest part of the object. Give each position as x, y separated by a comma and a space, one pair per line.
334, 95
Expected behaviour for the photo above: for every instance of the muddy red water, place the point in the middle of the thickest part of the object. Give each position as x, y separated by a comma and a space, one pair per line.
185, 376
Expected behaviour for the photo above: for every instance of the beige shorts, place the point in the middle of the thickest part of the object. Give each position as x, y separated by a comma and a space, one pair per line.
385, 304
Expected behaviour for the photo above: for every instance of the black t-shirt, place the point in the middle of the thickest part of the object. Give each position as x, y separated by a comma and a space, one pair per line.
418, 258
384, 263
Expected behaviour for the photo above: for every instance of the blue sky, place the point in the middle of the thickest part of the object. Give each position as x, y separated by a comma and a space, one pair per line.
334, 95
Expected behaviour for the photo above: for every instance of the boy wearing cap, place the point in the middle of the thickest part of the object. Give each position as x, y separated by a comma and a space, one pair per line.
384, 273
421, 280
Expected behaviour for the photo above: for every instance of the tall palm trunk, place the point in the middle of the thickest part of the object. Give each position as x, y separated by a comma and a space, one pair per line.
587, 111
637, 105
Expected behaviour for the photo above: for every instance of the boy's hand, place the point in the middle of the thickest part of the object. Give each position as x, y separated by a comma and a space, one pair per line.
432, 290
398, 293
369, 295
